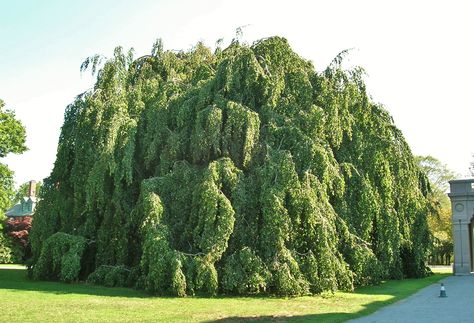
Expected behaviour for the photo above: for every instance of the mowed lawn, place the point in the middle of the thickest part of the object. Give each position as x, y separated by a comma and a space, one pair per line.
24, 300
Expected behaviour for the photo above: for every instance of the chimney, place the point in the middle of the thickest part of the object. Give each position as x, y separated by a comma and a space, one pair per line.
32, 189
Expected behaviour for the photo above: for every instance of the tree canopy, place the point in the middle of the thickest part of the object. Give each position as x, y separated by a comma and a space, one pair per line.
242, 170
438, 173
439, 221
12, 140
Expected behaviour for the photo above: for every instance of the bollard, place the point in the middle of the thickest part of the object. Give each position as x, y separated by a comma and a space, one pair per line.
442, 292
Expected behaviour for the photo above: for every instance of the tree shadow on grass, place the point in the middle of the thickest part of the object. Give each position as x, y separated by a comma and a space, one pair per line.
391, 288
333, 317
321, 317
16, 279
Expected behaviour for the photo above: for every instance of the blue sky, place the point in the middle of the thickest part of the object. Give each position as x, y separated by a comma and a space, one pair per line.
418, 55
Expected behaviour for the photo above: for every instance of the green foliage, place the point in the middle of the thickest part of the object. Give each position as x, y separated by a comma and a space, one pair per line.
60, 258
438, 173
12, 140
12, 133
439, 221
5, 250
110, 276
6, 188
245, 273
244, 171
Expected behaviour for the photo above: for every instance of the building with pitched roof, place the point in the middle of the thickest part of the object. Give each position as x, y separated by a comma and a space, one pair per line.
26, 206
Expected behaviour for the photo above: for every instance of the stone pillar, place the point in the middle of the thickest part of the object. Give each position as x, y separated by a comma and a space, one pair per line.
462, 206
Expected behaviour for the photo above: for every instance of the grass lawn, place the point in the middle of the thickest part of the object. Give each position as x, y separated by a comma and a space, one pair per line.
31, 301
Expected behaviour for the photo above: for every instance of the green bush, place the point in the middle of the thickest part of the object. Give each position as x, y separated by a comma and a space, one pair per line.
110, 276
245, 273
5, 250
60, 258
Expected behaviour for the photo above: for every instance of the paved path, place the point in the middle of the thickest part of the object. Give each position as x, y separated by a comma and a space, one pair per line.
427, 306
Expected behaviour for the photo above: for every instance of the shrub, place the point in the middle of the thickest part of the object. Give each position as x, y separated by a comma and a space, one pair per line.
111, 276
5, 250
18, 230
245, 273
60, 258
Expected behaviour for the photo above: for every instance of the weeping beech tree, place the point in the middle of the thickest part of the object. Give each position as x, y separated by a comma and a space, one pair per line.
240, 171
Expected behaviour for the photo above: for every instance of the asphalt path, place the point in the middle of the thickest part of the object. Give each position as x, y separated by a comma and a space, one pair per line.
427, 306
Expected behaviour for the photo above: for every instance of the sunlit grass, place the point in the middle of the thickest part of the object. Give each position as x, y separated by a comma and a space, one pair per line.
442, 269
31, 301
12, 266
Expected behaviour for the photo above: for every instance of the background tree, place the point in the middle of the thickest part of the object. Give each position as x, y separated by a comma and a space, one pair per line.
18, 231
12, 140
439, 221
438, 173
